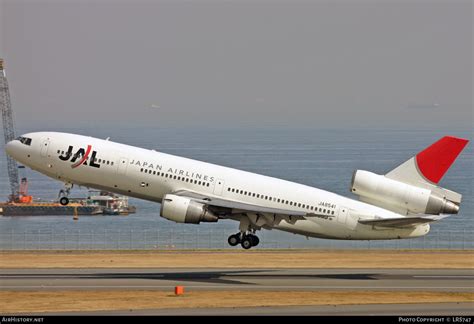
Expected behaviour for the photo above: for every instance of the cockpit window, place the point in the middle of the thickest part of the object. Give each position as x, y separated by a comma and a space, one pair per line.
25, 140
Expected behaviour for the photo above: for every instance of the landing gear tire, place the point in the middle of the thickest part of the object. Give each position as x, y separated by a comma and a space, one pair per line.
64, 201
233, 240
255, 240
246, 242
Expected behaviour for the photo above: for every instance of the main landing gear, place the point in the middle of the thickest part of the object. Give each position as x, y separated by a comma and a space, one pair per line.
246, 240
64, 193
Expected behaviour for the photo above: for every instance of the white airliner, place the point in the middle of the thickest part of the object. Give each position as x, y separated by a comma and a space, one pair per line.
399, 204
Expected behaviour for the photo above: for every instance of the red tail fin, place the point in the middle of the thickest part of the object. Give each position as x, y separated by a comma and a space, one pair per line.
434, 161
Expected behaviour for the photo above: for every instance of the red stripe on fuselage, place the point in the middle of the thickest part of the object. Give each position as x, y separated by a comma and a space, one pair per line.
84, 158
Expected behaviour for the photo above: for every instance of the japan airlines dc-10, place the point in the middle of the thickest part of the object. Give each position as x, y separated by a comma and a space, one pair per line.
399, 204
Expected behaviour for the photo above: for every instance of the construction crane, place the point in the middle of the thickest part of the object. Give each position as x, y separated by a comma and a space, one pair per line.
9, 134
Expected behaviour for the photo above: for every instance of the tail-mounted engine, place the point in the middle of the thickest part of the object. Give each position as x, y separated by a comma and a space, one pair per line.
184, 210
399, 196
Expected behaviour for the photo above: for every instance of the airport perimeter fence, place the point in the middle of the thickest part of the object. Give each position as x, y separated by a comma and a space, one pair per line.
196, 238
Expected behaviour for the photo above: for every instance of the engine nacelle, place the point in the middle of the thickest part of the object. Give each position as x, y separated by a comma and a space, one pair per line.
400, 195
184, 210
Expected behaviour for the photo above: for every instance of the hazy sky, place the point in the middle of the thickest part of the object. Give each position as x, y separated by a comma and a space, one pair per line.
322, 63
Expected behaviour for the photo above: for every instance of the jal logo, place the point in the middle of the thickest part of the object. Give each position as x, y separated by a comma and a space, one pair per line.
80, 157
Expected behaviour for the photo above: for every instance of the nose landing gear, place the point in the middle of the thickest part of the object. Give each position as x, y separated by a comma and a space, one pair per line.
64, 193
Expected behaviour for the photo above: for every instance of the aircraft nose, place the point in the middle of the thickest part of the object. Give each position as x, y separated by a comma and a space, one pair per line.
9, 148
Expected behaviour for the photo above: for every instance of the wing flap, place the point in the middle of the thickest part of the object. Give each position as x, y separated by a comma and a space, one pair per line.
409, 221
236, 205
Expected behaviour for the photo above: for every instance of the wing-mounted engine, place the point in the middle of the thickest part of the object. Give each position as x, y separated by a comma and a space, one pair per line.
184, 210
399, 196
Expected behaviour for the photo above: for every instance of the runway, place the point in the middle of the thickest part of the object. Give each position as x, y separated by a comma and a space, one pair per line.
433, 309
447, 280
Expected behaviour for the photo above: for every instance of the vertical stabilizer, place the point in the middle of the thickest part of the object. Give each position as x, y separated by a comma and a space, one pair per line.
427, 168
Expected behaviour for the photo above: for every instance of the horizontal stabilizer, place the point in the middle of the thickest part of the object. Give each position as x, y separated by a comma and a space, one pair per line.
409, 221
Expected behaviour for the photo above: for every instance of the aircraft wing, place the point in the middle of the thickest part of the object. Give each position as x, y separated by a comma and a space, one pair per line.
409, 221
237, 206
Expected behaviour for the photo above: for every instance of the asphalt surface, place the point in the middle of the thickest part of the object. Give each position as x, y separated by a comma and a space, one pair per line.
238, 279
441, 309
